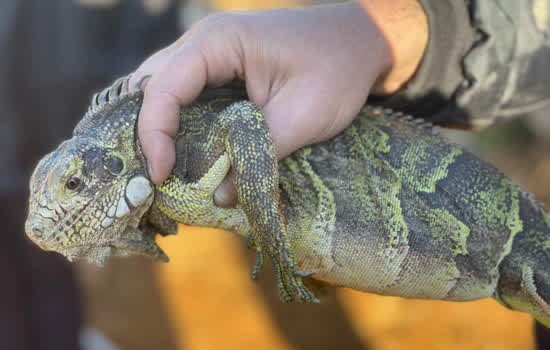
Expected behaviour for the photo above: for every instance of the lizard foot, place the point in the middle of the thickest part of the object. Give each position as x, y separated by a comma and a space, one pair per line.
291, 287
289, 278
255, 275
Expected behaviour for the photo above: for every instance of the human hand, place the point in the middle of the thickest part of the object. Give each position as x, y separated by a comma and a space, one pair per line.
310, 70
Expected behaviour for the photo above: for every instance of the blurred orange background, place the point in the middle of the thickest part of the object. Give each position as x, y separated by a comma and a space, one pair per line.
204, 299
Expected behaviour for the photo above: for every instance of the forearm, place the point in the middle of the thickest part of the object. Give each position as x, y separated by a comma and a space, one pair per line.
405, 27
483, 61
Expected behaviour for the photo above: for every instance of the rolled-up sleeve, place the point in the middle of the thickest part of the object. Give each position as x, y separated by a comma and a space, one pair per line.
485, 60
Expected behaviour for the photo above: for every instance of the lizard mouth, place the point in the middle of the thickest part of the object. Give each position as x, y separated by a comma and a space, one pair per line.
126, 238
99, 254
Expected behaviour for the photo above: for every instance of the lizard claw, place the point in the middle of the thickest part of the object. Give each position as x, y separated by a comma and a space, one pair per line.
291, 286
255, 275
250, 241
303, 274
301, 293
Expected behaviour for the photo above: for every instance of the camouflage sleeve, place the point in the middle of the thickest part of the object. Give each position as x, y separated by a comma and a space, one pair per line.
486, 59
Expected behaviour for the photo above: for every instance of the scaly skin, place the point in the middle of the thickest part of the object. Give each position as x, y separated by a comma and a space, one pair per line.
387, 206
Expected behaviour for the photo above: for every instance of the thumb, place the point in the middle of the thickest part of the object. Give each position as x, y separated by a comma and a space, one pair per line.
226, 194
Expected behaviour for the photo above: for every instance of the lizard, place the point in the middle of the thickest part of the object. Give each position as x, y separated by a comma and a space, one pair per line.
387, 206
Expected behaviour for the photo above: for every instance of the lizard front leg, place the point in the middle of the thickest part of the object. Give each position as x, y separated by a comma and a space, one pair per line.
252, 155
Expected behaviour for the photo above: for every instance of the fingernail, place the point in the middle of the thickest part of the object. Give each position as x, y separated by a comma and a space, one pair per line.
142, 82
149, 170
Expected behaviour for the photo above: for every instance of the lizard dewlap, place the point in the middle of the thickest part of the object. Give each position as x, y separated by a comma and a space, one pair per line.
387, 206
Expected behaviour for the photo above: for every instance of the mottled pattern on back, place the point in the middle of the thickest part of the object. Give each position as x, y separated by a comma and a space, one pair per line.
417, 208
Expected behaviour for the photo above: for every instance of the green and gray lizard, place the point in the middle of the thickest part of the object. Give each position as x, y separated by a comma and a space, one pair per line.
387, 206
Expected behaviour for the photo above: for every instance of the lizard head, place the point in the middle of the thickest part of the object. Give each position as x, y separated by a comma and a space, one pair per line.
88, 197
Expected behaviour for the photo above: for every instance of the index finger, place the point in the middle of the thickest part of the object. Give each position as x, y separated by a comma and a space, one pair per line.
176, 84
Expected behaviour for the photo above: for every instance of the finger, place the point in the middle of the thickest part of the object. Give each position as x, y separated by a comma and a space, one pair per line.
208, 56
226, 194
174, 85
298, 115
152, 64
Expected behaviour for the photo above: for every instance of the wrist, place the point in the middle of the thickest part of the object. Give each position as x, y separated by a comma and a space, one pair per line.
404, 25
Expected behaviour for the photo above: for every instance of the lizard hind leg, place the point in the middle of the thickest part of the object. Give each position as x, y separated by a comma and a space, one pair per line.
253, 159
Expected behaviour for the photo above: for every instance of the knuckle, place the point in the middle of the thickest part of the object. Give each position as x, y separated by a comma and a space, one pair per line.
225, 22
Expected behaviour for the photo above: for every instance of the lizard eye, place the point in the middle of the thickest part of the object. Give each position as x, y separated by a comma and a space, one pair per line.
73, 183
115, 165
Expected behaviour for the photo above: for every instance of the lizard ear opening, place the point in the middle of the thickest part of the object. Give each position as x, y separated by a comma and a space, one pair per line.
115, 165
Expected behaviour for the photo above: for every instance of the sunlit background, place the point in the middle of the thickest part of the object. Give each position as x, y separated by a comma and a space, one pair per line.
204, 298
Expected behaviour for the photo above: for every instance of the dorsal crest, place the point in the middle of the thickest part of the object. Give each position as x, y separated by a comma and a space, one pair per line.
104, 102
